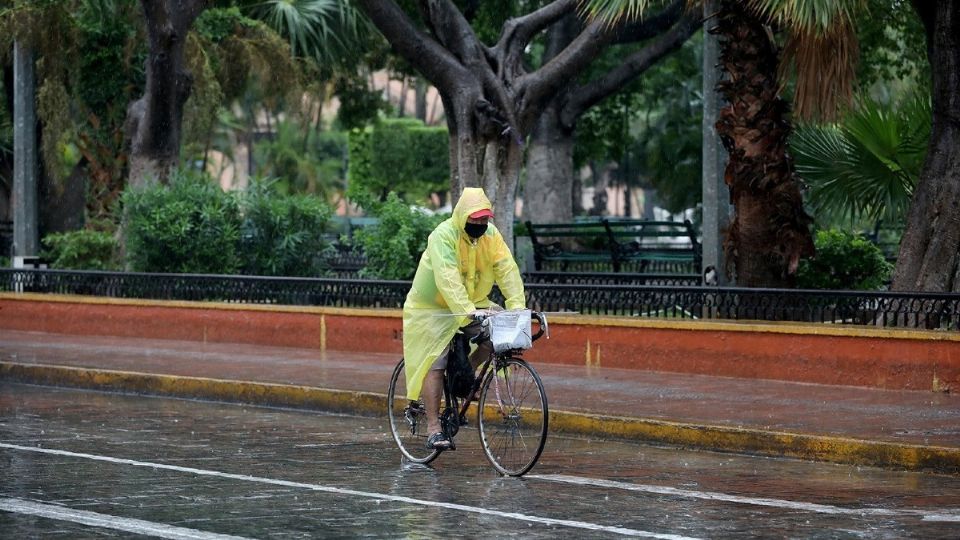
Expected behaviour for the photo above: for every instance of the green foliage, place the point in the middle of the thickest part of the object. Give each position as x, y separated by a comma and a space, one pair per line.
219, 24
107, 71
326, 31
85, 249
400, 155
89, 63
282, 235
843, 262
652, 128
603, 132
893, 47
868, 165
669, 135
303, 160
488, 17
359, 106
190, 226
393, 246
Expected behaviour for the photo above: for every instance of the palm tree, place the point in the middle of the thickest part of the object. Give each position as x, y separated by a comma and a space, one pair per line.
770, 231
867, 165
327, 31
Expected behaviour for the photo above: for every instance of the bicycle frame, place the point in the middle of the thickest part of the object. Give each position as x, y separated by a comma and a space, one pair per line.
494, 359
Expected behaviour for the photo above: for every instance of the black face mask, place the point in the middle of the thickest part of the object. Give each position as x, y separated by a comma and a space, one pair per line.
475, 230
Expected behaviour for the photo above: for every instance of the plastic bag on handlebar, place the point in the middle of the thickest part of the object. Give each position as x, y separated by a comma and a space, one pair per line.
510, 330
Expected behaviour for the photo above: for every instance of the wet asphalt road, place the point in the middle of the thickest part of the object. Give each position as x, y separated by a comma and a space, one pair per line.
78, 464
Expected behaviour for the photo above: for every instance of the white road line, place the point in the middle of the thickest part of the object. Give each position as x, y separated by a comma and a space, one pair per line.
366, 494
935, 514
136, 526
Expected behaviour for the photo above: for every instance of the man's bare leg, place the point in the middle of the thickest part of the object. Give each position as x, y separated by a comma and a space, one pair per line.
483, 351
431, 392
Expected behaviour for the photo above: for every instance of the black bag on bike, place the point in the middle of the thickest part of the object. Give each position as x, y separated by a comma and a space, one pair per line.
460, 375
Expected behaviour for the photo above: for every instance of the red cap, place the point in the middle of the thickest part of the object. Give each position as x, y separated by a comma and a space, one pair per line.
485, 212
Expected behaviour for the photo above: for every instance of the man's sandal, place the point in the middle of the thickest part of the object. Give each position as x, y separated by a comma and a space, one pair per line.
439, 441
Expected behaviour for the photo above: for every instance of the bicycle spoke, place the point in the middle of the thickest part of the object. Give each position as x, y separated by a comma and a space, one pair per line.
408, 422
513, 430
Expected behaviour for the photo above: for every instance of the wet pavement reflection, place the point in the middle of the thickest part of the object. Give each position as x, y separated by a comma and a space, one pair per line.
136, 465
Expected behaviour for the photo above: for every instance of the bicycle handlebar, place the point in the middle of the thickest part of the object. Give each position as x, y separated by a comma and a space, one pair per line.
538, 316
544, 328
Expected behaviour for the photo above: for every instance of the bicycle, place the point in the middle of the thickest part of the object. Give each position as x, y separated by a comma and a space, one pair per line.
512, 411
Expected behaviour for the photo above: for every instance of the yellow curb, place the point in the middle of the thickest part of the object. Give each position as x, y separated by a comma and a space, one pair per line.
771, 327
812, 447
257, 393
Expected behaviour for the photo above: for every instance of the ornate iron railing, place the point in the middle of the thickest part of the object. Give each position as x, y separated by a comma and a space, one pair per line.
885, 309
215, 288
610, 278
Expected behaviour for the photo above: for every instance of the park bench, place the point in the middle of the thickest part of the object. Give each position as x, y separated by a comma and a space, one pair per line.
583, 245
655, 246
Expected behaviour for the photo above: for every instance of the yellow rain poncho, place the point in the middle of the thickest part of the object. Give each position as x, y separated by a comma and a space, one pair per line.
455, 276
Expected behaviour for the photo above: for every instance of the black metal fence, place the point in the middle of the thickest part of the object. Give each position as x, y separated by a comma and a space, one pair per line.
600, 295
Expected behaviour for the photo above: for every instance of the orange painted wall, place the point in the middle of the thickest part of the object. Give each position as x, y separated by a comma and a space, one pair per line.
826, 359
856, 357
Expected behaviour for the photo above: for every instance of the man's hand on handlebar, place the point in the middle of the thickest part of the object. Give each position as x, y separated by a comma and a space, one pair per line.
480, 314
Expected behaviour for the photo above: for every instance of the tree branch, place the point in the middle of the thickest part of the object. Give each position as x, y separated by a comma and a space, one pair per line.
649, 27
518, 32
611, 82
430, 58
535, 88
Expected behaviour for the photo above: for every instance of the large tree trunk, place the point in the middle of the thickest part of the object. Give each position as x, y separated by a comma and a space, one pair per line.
770, 229
155, 121
548, 194
928, 259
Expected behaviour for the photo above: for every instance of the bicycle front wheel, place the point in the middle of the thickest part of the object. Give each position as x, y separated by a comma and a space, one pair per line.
408, 420
513, 417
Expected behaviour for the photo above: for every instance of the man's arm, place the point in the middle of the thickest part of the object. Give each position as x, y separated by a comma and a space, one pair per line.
446, 275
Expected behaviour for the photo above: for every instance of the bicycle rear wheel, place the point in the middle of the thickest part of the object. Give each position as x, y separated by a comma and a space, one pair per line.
513, 417
408, 420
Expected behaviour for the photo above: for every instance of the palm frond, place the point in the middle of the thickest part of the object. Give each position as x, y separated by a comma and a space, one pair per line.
321, 29
825, 62
808, 15
612, 12
868, 165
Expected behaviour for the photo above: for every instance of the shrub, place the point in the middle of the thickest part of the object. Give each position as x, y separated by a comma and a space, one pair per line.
190, 226
282, 235
844, 262
393, 246
85, 249
400, 155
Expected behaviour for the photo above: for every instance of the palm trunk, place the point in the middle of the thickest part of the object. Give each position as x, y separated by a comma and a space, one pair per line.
770, 229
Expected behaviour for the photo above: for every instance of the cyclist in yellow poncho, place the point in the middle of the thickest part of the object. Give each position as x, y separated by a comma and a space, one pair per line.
465, 256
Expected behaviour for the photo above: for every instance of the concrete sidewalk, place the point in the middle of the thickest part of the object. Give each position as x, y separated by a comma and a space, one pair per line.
900, 429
